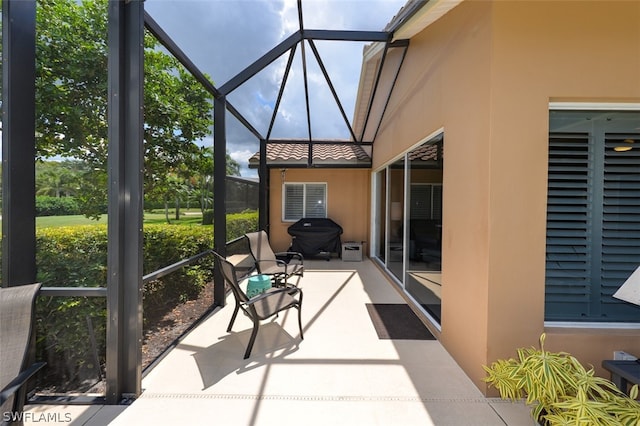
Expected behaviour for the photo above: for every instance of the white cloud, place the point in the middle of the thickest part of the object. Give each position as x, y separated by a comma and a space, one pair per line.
288, 18
242, 157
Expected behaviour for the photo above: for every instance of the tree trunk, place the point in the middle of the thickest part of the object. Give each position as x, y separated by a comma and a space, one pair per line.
166, 209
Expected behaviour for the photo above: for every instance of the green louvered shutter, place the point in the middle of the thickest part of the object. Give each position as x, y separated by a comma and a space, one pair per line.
620, 224
569, 217
593, 215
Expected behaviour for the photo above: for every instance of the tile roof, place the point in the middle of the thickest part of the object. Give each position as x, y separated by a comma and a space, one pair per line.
429, 152
339, 153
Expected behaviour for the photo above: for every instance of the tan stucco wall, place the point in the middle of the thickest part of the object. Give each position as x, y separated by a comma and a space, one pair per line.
348, 202
486, 73
577, 57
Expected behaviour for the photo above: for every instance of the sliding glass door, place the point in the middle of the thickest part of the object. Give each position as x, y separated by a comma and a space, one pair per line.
408, 223
395, 241
380, 215
423, 274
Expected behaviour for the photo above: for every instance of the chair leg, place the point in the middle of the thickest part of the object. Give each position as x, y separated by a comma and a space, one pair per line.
300, 322
233, 317
300, 316
252, 339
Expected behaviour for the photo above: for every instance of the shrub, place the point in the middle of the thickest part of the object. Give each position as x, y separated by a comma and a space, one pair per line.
71, 257
77, 257
207, 217
239, 224
561, 391
56, 206
165, 245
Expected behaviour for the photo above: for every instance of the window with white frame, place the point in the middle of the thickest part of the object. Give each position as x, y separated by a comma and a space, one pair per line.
593, 214
304, 200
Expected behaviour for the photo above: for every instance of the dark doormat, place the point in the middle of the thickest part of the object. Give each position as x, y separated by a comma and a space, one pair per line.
397, 321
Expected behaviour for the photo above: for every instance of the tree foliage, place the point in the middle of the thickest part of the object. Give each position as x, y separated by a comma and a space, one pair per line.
58, 179
201, 178
71, 79
71, 102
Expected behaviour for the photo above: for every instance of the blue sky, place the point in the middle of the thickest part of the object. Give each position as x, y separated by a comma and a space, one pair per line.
222, 37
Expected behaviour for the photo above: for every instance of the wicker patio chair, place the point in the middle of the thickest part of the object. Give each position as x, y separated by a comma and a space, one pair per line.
259, 307
16, 326
281, 265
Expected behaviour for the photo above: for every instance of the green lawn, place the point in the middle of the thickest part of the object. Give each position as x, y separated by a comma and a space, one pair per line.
55, 221
192, 218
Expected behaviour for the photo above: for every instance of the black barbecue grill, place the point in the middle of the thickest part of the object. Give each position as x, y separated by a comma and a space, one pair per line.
316, 236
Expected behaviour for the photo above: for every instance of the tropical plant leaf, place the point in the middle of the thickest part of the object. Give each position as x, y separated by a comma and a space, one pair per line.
502, 375
633, 393
587, 411
561, 391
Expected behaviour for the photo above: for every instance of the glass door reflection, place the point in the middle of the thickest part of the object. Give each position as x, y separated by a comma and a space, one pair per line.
423, 278
381, 216
395, 234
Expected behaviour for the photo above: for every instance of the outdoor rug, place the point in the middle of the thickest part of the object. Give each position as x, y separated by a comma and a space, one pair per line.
397, 321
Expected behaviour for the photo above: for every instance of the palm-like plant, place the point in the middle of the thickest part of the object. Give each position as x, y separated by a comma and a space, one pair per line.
56, 180
561, 391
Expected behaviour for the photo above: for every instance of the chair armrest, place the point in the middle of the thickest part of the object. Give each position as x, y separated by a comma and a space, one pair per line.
19, 381
292, 254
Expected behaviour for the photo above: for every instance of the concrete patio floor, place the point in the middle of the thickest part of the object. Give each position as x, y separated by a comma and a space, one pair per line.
340, 374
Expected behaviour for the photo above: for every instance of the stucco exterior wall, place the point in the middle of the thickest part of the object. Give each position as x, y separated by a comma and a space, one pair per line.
444, 84
546, 52
485, 74
348, 202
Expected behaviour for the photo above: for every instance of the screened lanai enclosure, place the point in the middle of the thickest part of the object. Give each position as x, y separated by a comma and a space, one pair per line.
142, 121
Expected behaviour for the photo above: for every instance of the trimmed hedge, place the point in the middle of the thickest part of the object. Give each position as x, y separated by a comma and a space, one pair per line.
77, 257
207, 217
239, 224
71, 257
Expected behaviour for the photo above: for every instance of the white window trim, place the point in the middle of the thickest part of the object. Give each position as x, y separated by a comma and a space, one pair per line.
593, 106
326, 202
592, 325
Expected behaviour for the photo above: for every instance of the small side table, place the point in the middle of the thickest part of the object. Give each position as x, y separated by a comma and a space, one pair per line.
623, 373
258, 284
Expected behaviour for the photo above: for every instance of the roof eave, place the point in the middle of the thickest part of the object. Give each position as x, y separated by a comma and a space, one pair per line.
414, 17
420, 14
319, 164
